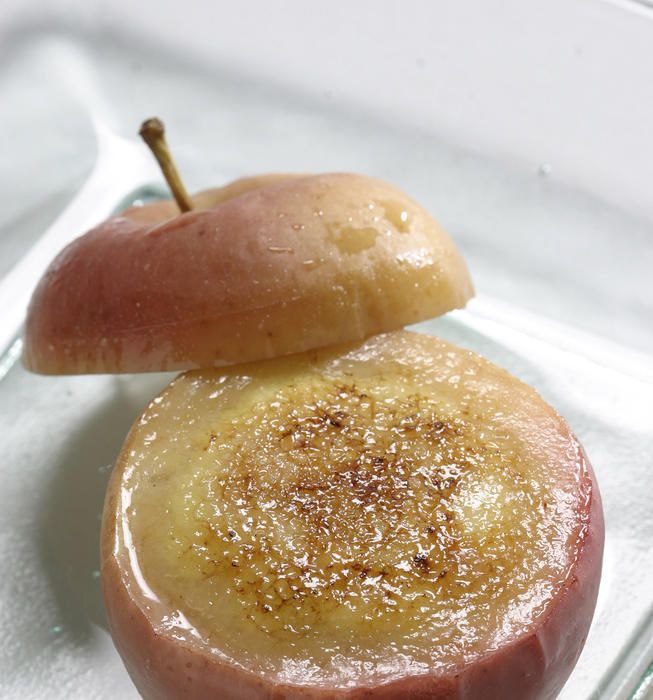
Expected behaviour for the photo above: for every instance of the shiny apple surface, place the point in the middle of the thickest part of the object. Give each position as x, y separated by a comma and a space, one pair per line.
354, 517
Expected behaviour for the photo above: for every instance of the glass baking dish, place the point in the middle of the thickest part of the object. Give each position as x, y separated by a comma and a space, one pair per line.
540, 313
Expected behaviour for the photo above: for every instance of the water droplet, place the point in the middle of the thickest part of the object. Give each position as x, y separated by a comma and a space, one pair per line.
297, 227
56, 629
95, 574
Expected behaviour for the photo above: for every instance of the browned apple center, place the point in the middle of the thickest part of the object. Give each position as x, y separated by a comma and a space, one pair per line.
341, 500
345, 520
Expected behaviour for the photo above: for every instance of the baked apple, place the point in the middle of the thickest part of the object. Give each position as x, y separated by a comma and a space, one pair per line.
397, 519
317, 511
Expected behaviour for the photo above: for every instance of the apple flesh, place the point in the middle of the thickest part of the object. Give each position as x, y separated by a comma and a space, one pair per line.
267, 266
397, 519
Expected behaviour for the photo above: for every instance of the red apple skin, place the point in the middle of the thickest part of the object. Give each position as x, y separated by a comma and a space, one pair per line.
534, 666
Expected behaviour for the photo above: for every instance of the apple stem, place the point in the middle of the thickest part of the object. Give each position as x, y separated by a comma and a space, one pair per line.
153, 133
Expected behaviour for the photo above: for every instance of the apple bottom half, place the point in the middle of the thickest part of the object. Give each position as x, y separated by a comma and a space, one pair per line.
534, 665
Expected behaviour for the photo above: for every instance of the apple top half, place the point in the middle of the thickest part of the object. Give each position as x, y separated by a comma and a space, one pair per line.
264, 267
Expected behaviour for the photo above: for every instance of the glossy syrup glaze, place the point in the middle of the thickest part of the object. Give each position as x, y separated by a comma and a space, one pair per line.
337, 518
